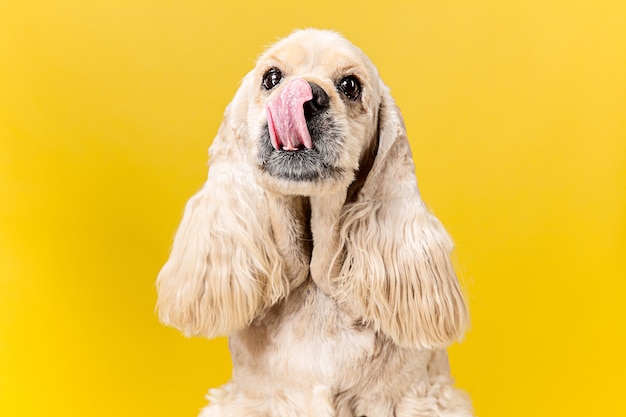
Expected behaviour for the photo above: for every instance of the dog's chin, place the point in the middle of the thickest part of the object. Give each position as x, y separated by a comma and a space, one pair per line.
306, 171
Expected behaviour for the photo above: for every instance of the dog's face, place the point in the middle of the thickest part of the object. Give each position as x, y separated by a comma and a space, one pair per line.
311, 112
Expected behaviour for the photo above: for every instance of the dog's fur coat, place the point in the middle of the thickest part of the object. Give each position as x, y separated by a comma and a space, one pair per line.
319, 261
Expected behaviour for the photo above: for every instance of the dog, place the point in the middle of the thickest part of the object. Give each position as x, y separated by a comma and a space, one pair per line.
310, 248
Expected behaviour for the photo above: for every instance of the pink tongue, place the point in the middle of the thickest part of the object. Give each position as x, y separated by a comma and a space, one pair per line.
285, 116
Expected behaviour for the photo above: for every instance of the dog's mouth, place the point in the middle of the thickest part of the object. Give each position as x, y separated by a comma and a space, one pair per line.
300, 141
286, 121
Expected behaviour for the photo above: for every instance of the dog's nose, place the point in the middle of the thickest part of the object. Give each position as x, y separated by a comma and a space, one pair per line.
318, 103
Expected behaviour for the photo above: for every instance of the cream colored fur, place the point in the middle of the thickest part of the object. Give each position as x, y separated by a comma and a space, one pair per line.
338, 295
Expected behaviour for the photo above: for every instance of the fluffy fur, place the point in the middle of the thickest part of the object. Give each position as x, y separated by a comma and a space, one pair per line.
323, 266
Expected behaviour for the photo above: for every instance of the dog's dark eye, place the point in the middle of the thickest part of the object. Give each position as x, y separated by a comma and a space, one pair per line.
272, 78
350, 87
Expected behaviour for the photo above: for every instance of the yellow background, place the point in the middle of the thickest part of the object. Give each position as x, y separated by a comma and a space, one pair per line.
516, 111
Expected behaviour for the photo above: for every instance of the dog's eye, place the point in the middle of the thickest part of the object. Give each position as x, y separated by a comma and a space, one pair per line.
350, 87
272, 78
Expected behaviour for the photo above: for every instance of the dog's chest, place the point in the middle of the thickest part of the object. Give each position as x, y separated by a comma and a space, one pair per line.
304, 342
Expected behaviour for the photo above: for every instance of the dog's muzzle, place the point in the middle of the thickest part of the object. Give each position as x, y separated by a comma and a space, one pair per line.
301, 141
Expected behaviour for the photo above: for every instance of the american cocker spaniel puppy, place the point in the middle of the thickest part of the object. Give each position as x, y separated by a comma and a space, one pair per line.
309, 246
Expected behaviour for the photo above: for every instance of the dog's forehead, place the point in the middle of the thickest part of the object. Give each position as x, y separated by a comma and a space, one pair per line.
314, 51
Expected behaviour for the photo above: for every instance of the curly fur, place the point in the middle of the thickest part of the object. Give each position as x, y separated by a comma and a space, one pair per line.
331, 277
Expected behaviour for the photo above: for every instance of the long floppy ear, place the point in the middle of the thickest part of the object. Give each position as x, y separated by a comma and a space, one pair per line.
223, 269
395, 262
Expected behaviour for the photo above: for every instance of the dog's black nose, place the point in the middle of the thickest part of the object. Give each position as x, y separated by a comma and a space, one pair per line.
318, 103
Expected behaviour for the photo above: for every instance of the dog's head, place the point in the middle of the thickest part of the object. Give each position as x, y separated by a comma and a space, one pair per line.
308, 112
313, 119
